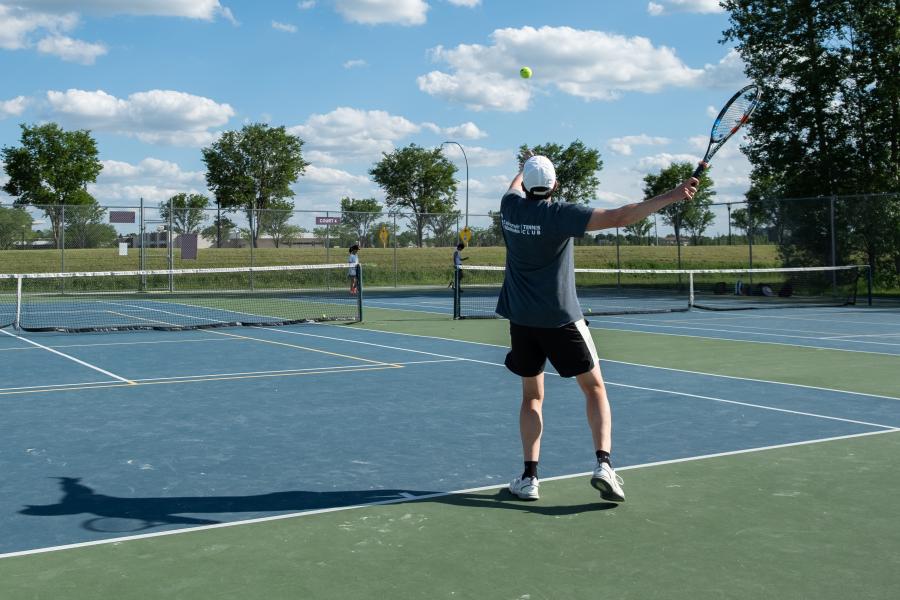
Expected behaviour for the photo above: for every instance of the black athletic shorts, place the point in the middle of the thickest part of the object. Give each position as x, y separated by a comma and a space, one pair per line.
570, 349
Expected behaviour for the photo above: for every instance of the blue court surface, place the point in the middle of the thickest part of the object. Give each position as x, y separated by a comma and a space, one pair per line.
137, 433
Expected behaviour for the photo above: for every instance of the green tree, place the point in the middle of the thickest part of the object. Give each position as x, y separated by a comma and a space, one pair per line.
359, 214
576, 169
221, 225
681, 215
417, 180
443, 227
829, 123
252, 168
51, 169
640, 230
15, 226
275, 220
85, 227
188, 211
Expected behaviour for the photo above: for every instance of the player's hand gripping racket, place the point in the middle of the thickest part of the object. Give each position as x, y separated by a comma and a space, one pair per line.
732, 117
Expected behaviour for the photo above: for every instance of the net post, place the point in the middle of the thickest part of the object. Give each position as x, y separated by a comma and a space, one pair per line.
359, 292
868, 285
17, 323
690, 289
456, 280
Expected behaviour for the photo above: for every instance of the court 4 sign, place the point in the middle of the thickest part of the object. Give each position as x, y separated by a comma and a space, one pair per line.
328, 220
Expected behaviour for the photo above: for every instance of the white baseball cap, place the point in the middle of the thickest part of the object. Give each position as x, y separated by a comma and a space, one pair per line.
538, 176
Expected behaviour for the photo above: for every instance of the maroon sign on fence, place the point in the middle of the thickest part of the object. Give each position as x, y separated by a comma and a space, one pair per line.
121, 216
328, 220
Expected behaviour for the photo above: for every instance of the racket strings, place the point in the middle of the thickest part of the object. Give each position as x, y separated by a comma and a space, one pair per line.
735, 115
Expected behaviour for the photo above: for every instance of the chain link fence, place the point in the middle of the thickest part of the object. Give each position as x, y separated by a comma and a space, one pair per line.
404, 249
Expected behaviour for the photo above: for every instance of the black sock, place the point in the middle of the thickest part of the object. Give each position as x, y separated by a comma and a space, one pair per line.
530, 469
603, 457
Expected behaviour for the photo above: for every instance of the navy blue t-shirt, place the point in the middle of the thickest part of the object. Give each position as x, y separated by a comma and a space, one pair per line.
539, 284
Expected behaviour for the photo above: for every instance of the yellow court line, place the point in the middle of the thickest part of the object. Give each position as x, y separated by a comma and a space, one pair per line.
265, 341
75, 388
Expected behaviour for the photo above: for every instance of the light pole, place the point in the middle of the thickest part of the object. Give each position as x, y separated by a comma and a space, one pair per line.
467, 177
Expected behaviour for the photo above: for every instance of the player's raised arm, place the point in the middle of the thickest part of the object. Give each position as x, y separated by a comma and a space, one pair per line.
632, 213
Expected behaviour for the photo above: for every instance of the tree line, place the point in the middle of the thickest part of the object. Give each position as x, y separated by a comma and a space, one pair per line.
828, 126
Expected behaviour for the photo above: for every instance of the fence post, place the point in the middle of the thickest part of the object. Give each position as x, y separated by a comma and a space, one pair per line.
618, 261
395, 248
170, 242
327, 239
62, 240
833, 244
141, 261
750, 241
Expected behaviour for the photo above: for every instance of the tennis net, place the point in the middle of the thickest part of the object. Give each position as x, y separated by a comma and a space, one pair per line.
179, 298
643, 291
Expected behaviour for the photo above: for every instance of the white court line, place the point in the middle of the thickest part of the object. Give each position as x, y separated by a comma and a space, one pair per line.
72, 358
288, 371
762, 406
608, 382
701, 328
800, 385
888, 335
73, 386
407, 497
700, 324
744, 340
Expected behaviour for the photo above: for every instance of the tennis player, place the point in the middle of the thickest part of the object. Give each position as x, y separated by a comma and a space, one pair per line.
458, 259
353, 260
545, 319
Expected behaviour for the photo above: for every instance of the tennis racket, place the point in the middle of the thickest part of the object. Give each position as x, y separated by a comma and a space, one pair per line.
732, 117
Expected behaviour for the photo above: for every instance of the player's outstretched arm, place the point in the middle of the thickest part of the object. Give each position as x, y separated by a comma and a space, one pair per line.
632, 213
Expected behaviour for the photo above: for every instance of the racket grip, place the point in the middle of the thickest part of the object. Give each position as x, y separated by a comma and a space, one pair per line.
699, 170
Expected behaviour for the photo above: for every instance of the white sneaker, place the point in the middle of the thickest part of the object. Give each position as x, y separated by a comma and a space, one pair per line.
525, 488
608, 483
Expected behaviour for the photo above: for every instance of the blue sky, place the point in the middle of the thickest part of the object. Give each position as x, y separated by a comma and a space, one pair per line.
157, 80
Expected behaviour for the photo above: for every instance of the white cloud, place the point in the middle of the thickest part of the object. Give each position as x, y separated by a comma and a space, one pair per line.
333, 177
14, 107
287, 27
466, 3
351, 133
154, 180
465, 131
378, 12
306, 4
352, 64
728, 73
71, 50
624, 145
484, 157
22, 20
662, 7
661, 161
592, 65
206, 10
18, 24
155, 116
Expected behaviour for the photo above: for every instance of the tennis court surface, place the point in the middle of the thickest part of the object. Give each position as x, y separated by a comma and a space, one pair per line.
322, 460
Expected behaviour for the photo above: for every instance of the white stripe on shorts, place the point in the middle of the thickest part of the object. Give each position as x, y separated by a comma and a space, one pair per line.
588, 339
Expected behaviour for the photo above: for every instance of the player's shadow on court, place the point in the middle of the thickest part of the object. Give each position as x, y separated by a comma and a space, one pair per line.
117, 514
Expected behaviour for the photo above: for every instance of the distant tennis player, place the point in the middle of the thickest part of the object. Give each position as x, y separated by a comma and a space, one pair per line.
458, 259
353, 260
545, 319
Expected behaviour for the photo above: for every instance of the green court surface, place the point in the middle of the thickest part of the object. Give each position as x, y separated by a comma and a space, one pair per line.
815, 520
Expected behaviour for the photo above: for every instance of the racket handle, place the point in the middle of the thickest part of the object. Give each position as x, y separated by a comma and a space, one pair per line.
699, 170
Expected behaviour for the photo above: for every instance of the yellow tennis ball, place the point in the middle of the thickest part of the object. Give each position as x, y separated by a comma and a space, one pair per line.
525, 72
